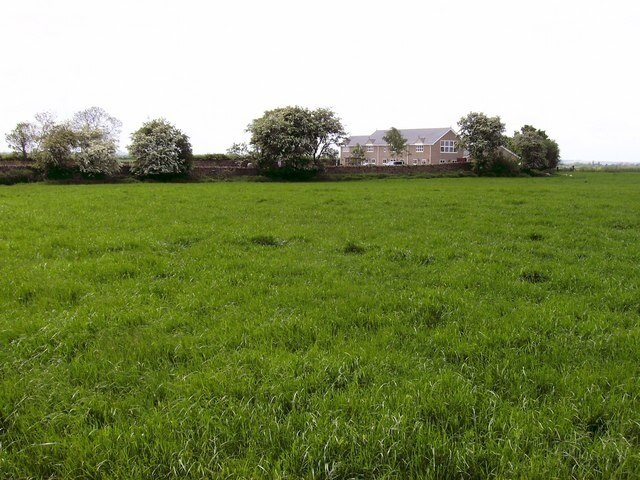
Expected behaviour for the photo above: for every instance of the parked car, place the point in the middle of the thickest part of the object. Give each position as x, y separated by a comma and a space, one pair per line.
393, 163
369, 163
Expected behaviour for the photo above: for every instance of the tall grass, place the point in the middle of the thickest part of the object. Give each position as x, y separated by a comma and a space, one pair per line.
443, 328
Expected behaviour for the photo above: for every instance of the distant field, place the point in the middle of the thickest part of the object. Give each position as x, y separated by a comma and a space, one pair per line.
443, 328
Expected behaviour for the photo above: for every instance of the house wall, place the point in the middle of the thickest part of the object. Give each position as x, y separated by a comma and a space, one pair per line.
398, 170
378, 155
438, 157
430, 156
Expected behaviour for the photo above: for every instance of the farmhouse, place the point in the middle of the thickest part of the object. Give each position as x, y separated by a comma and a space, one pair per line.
425, 146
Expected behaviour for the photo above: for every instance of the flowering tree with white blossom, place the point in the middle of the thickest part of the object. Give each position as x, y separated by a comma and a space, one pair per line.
160, 149
98, 159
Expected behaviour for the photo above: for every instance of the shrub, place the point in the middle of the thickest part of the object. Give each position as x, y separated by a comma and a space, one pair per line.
10, 157
501, 166
17, 175
215, 158
224, 159
56, 156
300, 170
160, 149
98, 160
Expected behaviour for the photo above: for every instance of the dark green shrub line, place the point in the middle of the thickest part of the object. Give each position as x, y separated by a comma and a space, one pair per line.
18, 175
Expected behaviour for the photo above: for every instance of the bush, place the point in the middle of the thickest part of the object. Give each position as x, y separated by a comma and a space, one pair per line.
291, 172
11, 157
98, 160
216, 158
17, 175
56, 156
538, 173
86, 145
502, 166
224, 159
161, 150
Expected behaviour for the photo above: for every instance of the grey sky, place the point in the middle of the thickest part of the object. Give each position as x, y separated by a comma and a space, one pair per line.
568, 67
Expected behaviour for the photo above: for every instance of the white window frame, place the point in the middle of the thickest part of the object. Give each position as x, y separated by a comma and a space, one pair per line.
369, 148
447, 146
419, 148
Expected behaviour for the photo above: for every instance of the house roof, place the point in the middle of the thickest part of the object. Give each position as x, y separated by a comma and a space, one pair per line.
509, 152
502, 149
355, 140
425, 136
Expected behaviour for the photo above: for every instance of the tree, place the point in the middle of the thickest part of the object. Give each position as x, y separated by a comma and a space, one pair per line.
23, 139
27, 137
397, 143
531, 148
65, 152
95, 123
97, 136
98, 159
293, 140
357, 155
536, 149
56, 151
239, 150
160, 149
86, 144
482, 136
331, 156
553, 153
326, 132
44, 124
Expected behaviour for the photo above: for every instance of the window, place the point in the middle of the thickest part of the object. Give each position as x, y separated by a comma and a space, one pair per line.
419, 148
345, 149
447, 146
369, 148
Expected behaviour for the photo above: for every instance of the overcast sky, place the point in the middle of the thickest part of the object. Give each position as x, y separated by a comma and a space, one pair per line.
567, 67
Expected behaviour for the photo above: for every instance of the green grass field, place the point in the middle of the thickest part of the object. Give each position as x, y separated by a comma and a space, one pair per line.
442, 328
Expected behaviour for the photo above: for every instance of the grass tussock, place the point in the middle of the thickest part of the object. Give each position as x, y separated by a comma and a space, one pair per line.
534, 276
267, 241
354, 248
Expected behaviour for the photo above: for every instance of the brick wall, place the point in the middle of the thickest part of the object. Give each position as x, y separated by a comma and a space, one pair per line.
13, 164
401, 169
201, 169
222, 172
